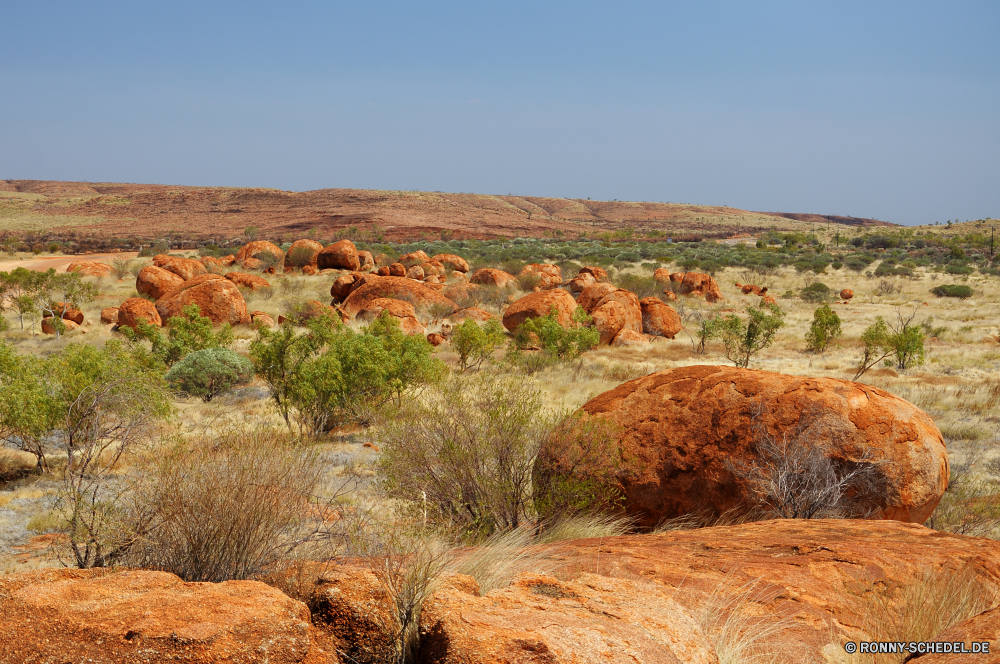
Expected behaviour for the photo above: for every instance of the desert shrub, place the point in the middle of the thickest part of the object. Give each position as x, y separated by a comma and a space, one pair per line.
227, 508
209, 372
953, 290
886, 287
816, 292
468, 446
474, 343
529, 281
744, 339
121, 267
564, 343
185, 334
299, 257
953, 268
160, 247
904, 343
825, 328
641, 286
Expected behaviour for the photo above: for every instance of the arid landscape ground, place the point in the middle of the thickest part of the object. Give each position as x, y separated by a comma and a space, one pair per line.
522, 430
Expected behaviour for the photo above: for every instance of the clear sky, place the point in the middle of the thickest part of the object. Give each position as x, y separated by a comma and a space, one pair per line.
876, 109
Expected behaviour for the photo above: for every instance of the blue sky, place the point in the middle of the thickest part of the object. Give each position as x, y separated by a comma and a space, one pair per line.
877, 109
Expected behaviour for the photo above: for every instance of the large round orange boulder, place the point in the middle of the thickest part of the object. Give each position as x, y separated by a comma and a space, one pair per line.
259, 254
846, 294
549, 276
418, 256
398, 288
618, 310
156, 281
49, 325
690, 434
581, 281
598, 273
538, 304
342, 255
218, 298
344, 284
662, 275
185, 268
489, 276
250, 281
697, 284
403, 312
89, 268
367, 261
659, 318
135, 309
456, 263
304, 252
109, 315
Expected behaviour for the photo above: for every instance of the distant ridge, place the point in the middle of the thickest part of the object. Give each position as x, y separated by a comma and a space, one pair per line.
829, 219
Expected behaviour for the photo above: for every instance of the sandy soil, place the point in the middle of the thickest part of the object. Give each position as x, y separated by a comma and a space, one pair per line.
41, 264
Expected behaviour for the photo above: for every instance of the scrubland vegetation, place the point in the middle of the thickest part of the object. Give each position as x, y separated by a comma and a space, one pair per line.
239, 452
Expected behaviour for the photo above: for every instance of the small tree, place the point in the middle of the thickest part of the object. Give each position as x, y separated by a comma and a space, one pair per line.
564, 343
744, 339
474, 343
824, 329
904, 343
55, 294
20, 286
185, 334
208, 372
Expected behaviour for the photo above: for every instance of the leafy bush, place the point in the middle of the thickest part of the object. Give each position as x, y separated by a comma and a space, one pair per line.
186, 334
474, 343
904, 342
744, 339
208, 372
954, 268
563, 343
953, 290
825, 328
299, 257
816, 292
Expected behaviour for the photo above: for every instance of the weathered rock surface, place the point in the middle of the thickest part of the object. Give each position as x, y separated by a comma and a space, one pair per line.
135, 616
261, 318
542, 619
616, 312
49, 326
90, 268
156, 281
403, 312
662, 275
489, 276
535, 305
682, 429
750, 289
846, 294
696, 284
251, 281
136, 308
218, 298
109, 315
630, 338
659, 318
185, 268
350, 607
342, 255
456, 263
415, 272
66, 312
305, 252
419, 256
549, 276
593, 294
367, 261
599, 273
344, 284
253, 251
475, 313
808, 580
398, 288
396, 270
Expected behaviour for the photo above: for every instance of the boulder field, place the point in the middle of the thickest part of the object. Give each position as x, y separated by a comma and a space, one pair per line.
683, 429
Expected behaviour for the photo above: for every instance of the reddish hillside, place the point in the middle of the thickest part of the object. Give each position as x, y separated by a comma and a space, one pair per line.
154, 211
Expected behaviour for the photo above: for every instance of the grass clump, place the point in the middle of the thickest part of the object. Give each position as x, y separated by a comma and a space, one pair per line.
953, 290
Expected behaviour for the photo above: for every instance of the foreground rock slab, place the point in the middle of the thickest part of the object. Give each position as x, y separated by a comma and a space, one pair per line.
541, 619
150, 617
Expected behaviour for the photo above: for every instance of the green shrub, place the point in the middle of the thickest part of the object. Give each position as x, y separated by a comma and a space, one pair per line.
952, 290
744, 339
186, 334
563, 343
474, 343
824, 329
953, 268
208, 372
816, 292
904, 343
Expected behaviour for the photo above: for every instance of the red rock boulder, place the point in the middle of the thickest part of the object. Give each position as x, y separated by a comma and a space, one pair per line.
344, 284
403, 312
258, 318
599, 274
549, 276
662, 275
846, 294
750, 289
538, 304
580, 282
593, 294
342, 255
218, 298
491, 277
109, 316
696, 284
687, 433
659, 319
398, 288
156, 281
589, 620
259, 254
185, 268
436, 339
90, 268
49, 326
303, 253
249, 281
395, 270
66, 312
476, 314
617, 311
415, 272
153, 617
456, 263
135, 309
418, 256
367, 261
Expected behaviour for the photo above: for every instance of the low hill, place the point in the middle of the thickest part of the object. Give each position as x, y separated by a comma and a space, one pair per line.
153, 211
